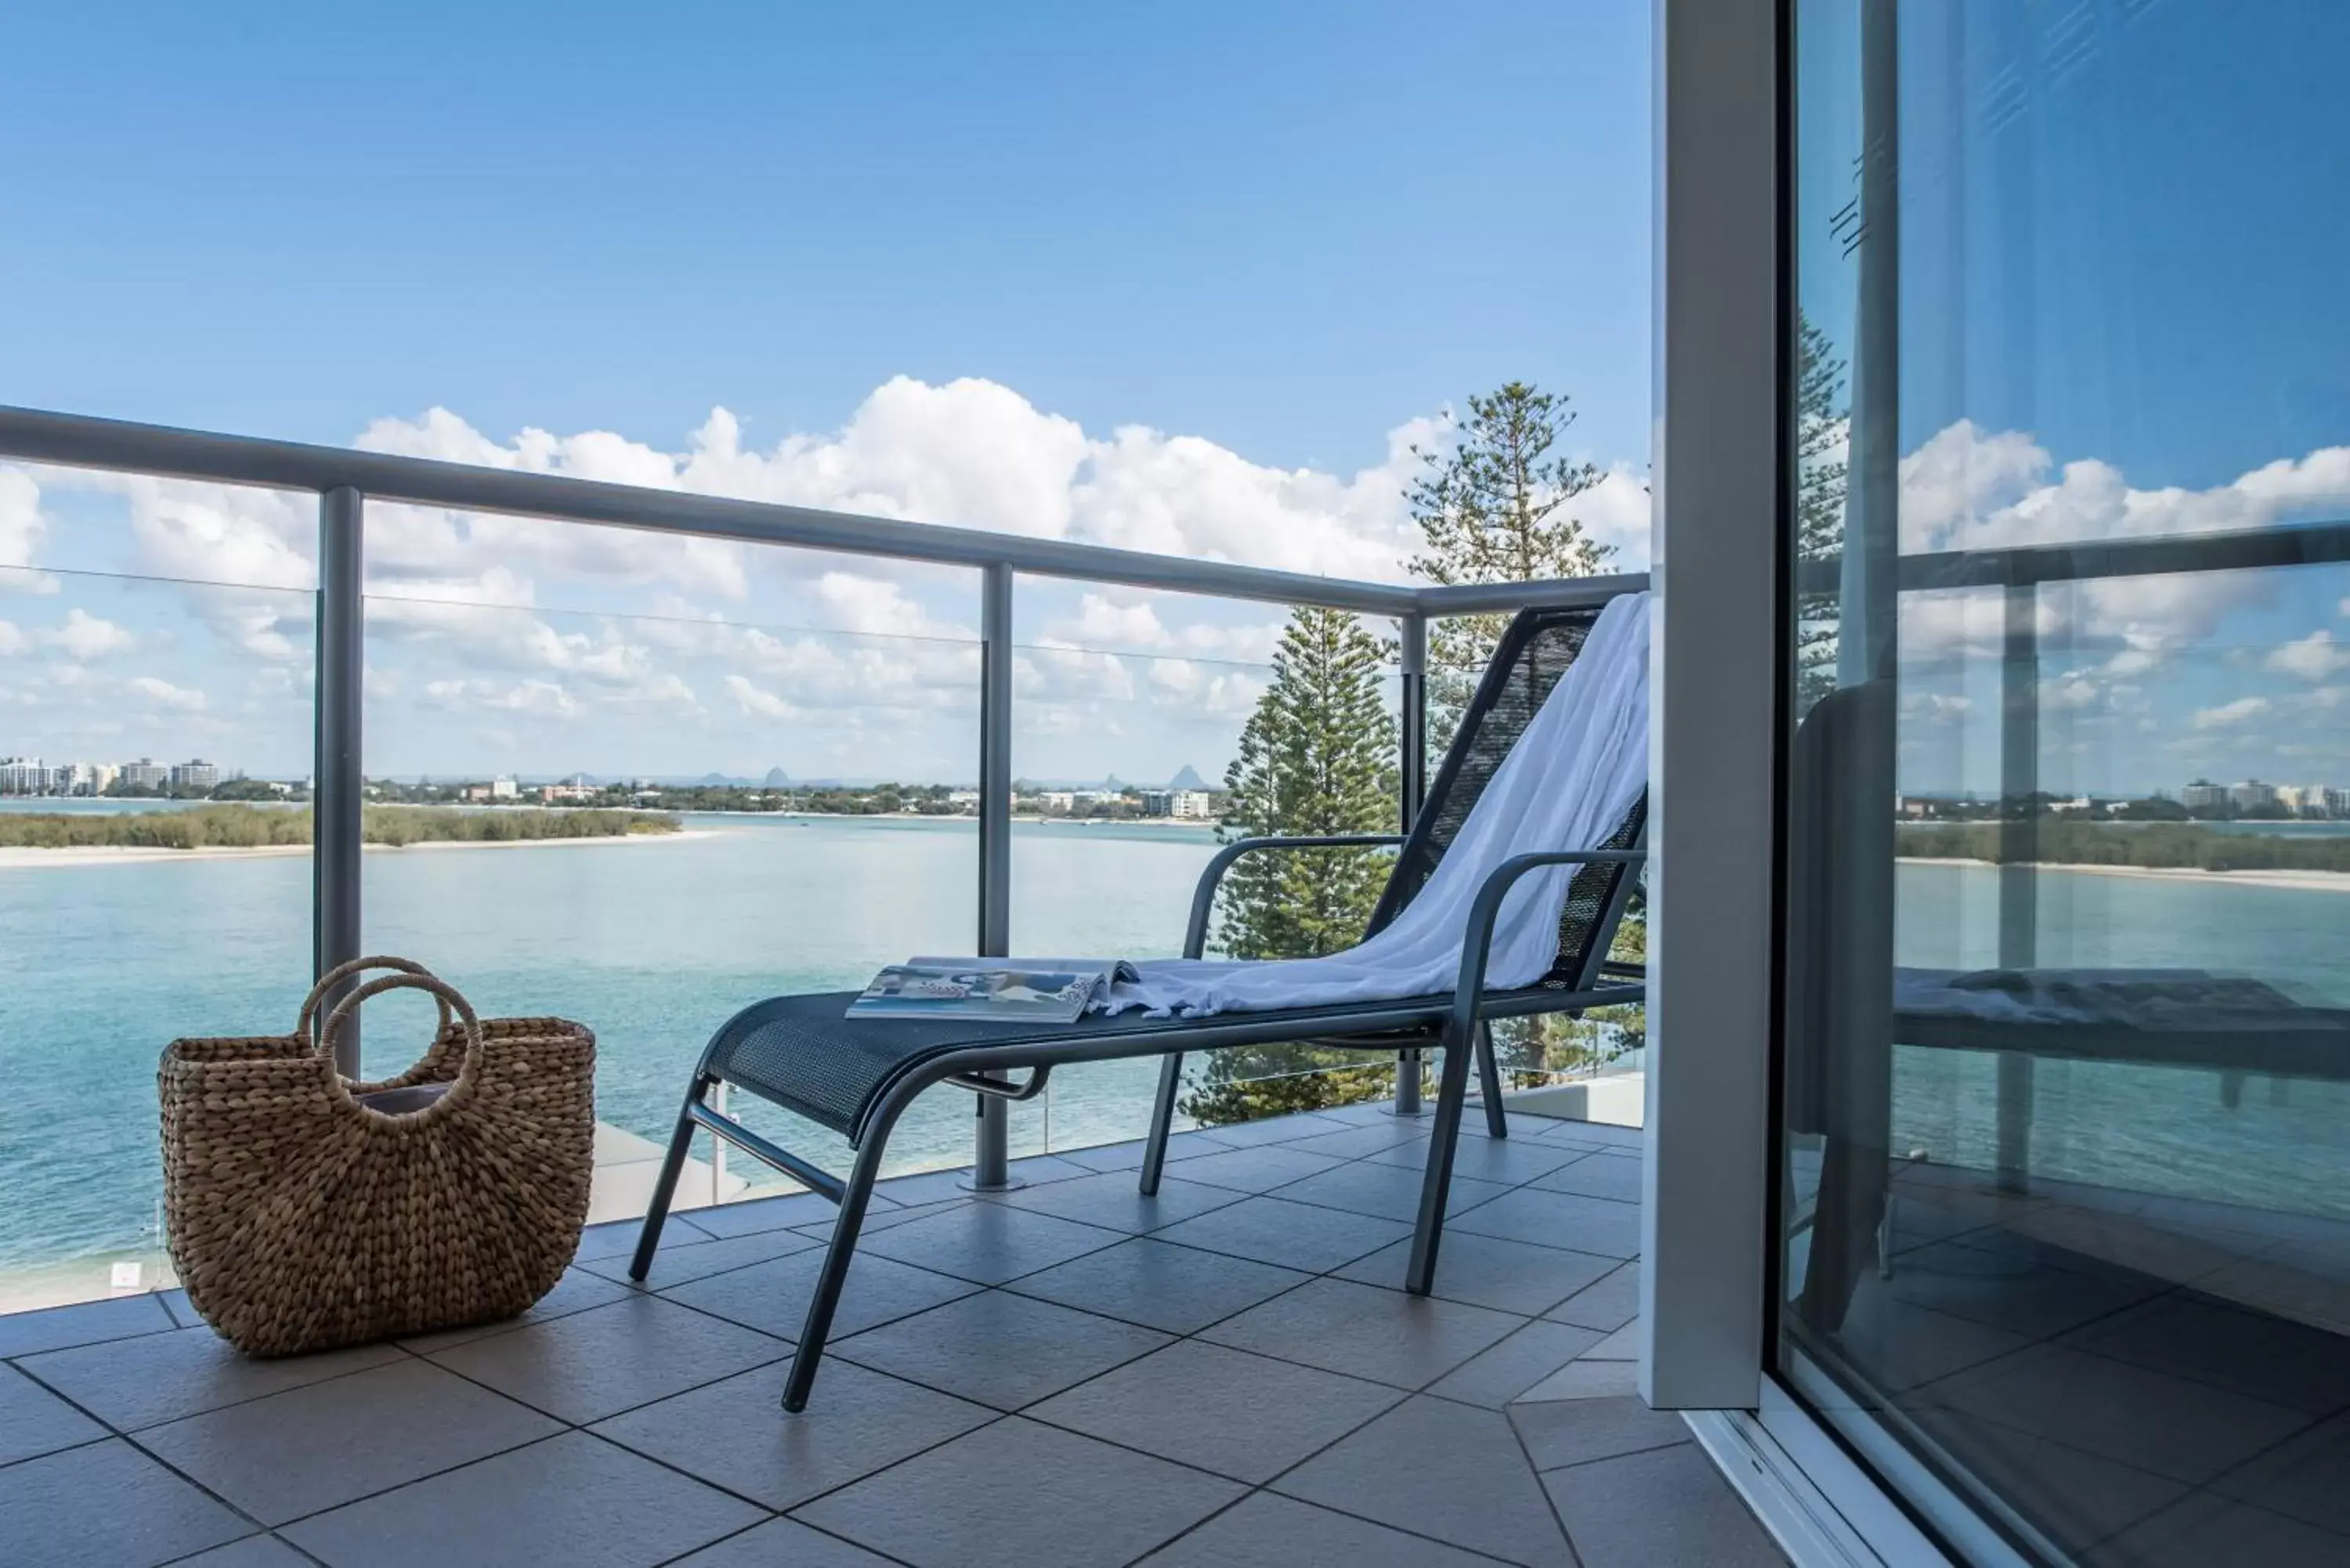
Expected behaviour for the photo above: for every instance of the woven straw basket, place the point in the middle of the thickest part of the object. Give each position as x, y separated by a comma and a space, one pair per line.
305, 1211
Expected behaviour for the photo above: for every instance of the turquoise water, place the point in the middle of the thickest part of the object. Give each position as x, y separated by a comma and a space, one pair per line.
653, 943
2285, 1146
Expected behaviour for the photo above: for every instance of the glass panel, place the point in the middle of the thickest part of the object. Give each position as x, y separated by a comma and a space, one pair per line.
154, 861
2067, 1192
1104, 867
739, 810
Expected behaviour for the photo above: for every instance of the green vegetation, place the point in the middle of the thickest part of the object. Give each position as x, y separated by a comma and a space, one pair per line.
1318, 756
1499, 508
1494, 509
258, 827
1821, 475
2153, 845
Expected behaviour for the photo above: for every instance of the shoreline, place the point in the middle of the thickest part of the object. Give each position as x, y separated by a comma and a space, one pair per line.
2295, 881
15, 858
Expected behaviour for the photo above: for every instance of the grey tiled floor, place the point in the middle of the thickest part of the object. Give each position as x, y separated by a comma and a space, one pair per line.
1068, 1375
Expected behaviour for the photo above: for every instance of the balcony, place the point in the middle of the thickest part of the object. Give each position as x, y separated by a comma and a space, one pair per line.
1062, 1374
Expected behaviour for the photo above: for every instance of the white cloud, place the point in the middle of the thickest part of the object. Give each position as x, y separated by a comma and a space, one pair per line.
542, 698
526, 618
162, 694
21, 523
2313, 658
1968, 488
2228, 715
86, 637
758, 700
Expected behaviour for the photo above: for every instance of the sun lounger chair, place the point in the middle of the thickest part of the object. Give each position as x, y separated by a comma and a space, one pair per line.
857, 1077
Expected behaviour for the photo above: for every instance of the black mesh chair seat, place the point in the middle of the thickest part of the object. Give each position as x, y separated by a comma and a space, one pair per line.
804, 1054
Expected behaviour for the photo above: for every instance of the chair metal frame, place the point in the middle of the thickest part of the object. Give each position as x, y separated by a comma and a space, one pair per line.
1457, 1022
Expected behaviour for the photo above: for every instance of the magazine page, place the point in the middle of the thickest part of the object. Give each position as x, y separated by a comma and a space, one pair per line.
984, 991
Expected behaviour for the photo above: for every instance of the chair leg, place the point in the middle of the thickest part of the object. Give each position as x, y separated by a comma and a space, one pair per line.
818, 1327
1436, 1187
1489, 1081
1162, 1117
681, 1143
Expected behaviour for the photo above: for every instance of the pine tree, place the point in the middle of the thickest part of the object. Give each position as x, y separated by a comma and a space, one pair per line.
1496, 508
1821, 424
1318, 756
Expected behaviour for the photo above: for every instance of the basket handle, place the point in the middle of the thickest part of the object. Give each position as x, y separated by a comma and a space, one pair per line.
449, 998
305, 1021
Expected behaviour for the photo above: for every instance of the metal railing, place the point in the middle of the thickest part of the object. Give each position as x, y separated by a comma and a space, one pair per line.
346, 481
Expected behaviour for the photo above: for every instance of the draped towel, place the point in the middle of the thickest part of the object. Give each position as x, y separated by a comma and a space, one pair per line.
1570, 781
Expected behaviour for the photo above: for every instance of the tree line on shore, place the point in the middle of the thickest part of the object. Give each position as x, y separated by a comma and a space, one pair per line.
256, 827
2153, 846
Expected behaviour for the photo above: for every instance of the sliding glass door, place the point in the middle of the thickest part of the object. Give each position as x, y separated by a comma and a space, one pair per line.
2065, 1186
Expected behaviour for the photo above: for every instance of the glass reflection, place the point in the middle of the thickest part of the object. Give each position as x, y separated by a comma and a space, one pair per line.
2065, 1193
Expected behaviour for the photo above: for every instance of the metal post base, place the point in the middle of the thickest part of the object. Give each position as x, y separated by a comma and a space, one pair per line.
1397, 1108
970, 1182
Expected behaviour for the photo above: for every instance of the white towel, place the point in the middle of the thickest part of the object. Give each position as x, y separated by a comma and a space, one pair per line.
1569, 782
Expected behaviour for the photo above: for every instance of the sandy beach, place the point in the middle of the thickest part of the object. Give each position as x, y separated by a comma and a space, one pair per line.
16, 859
2298, 881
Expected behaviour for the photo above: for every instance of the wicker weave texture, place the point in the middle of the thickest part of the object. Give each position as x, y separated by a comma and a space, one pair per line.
300, 1217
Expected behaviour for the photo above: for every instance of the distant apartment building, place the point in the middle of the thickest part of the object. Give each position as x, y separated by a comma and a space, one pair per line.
2318, 801
195, 774
504, 789
2202, 794
24, 775
1183, 804
2252, 795
1059, 800
145, 774
551, 793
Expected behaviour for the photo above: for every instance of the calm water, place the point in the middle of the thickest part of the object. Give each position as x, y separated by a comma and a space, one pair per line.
2285, 1146
654, 943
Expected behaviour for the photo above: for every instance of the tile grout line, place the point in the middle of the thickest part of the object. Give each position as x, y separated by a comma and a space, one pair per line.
1575, 1554
1120, 1237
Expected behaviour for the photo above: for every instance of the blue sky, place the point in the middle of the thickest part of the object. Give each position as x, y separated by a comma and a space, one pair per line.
1190, 281
2121, 230
1286, 228
1194, 283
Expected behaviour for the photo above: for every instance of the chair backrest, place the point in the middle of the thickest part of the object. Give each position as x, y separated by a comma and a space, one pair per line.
1537, 648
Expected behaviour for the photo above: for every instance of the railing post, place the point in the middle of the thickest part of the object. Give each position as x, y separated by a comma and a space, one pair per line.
990, 1171
2019, 876
335, 778
1412, 734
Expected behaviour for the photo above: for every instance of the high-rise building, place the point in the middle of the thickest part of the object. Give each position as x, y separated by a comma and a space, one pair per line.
2252, 796
23, 775
2203, 795
2306, 800
194, 773
145, 774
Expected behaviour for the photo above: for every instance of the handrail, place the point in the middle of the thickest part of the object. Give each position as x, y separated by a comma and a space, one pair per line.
346, 481
2088, 560
80, 441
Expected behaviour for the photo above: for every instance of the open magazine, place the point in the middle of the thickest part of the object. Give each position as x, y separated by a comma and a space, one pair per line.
1038, 990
